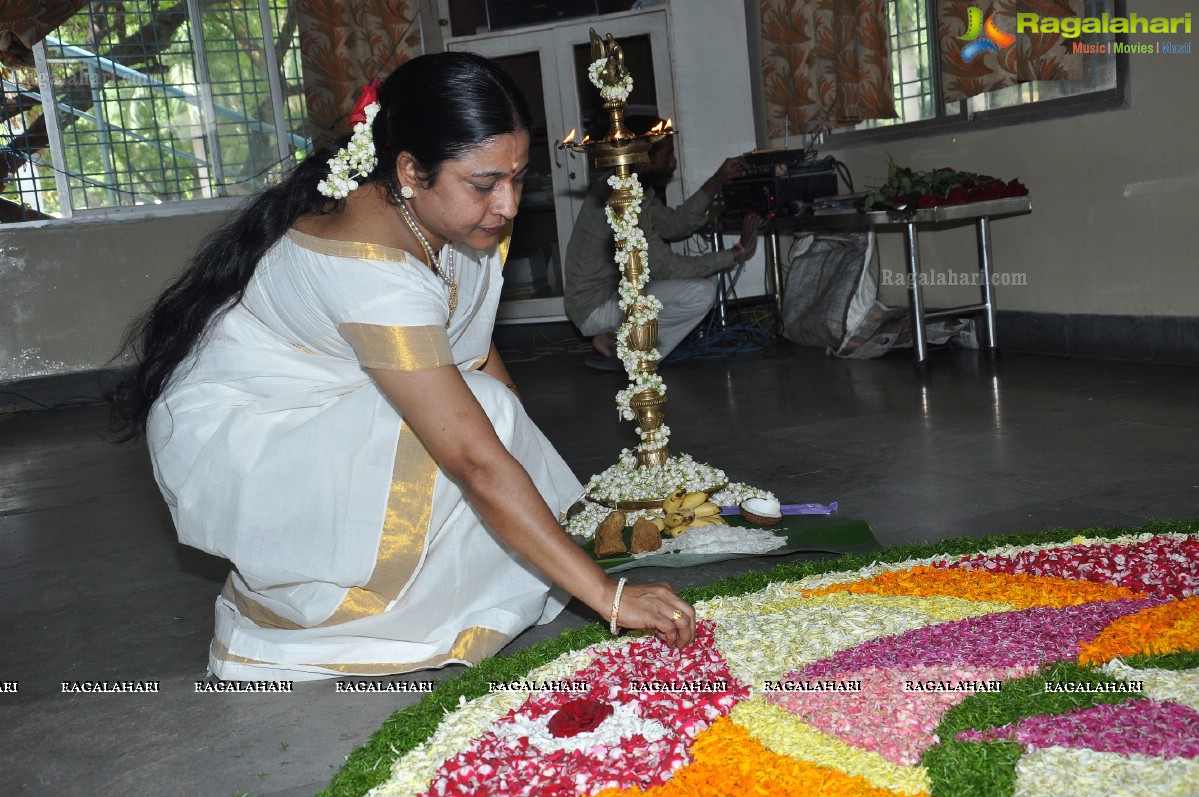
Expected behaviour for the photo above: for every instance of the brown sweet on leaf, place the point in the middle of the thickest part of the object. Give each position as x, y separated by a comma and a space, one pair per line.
646, 536
761, 520
608, 536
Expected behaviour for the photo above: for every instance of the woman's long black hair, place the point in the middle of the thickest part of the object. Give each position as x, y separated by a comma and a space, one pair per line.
435, 107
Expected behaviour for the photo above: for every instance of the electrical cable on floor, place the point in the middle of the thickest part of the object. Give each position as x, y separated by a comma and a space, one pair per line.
28, 404
754, 331
543, 346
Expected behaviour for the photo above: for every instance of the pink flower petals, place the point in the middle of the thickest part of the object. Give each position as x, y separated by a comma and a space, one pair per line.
1163, 567
1005, 639
1134, 727
896, 712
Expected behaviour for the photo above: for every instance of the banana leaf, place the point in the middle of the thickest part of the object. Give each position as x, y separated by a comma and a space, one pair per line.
812, 534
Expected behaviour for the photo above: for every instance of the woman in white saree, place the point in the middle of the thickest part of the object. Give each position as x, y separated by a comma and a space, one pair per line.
325, 408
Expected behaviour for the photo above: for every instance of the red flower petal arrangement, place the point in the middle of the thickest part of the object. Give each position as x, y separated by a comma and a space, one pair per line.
578, 716
658, 700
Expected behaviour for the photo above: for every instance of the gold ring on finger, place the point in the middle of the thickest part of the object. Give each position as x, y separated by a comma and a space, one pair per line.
678, 615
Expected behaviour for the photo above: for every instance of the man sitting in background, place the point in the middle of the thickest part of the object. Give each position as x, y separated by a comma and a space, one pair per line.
681, 282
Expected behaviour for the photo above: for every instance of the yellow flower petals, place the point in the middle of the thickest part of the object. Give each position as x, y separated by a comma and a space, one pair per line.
729, 762
781, 732
943, 608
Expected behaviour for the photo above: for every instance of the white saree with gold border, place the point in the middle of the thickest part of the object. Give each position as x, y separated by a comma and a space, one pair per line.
352, 552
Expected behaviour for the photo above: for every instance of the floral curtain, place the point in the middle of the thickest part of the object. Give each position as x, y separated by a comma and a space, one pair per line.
344, 44
825, 63
1009, 58
23, 23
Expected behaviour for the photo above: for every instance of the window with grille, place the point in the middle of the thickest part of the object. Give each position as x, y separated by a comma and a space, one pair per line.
155, 102
915, 64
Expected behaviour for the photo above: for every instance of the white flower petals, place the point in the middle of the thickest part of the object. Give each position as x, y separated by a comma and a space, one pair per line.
356, 159
624, 481
620, 91
412, 772
623, 723
1062, 772
720, 539
1177, 686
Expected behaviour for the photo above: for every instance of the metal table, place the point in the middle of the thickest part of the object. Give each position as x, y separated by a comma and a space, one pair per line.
980, 213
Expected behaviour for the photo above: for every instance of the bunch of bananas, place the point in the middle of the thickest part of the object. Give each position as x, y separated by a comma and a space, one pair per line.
682, 510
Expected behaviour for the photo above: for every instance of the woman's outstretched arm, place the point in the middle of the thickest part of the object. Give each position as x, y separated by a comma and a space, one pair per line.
439, 406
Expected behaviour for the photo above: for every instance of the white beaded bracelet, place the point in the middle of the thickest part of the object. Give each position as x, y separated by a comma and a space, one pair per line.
612, 626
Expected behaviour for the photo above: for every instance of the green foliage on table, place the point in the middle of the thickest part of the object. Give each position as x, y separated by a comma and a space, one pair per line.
907, 191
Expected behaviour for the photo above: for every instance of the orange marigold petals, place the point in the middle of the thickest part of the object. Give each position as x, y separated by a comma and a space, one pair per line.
1024, 592
728, 761
1168, 628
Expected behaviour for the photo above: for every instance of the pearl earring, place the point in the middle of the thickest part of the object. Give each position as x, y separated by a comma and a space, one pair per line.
406, 191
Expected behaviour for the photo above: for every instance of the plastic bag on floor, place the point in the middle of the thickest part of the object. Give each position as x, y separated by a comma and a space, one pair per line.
831, 299
831, 284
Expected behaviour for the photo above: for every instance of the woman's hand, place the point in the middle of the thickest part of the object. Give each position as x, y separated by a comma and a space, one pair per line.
657, 608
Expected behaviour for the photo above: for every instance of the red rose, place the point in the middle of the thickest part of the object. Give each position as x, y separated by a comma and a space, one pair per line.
578, 716
992, 190
1016, 188
370, 93
927, 201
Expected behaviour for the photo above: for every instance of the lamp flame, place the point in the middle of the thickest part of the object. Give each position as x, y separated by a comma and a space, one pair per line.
663, 127
570, 137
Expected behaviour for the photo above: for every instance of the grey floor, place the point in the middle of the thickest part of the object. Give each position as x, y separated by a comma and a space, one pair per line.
94, 587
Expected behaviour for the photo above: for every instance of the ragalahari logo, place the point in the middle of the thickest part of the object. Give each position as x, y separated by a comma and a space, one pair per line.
993, 38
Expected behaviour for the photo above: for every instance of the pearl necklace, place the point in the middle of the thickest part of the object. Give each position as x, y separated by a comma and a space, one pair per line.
431, 259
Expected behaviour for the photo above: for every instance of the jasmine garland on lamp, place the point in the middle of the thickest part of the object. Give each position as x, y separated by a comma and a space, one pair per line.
324, 406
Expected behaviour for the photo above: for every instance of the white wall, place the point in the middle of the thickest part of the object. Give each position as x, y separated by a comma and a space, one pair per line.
69, 289
1115, 222
712, 81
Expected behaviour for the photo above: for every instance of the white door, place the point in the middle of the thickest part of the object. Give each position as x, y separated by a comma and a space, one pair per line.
549, 63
